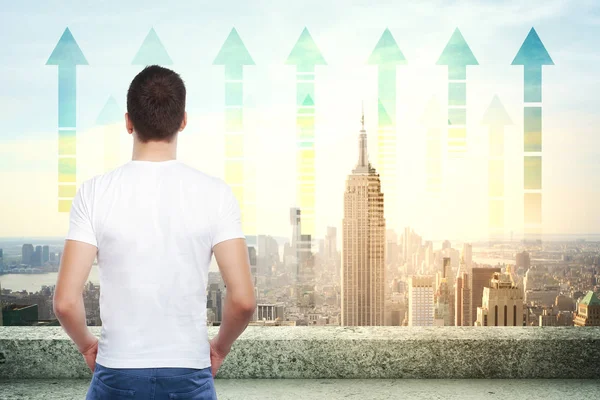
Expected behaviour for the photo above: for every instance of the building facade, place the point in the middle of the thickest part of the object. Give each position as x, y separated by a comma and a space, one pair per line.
363, 249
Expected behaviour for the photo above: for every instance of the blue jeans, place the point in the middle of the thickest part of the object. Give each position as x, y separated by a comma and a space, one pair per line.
151, 383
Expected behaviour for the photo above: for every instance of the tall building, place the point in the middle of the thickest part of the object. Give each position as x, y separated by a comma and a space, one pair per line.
27, 253
523, 260
462, 294
467, 254
442, 310
420, 300
363, 271
37, 256
588, 311
45, 253
480, 278
502, 303
331, 243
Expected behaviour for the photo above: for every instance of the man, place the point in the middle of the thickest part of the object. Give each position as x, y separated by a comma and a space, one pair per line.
154, 224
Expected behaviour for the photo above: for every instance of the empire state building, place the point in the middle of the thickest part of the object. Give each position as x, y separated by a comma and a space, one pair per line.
363, 251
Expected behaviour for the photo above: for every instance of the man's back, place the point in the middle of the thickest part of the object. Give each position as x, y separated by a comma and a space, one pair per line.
155, 223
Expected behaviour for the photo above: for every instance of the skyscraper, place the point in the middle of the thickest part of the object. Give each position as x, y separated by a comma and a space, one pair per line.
27, 253
462, 309
442, 316
420, 300
467, 254
363, 271
480, 278
502, 303
45, 253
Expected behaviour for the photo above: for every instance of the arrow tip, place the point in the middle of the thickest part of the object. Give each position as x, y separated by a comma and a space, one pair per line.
110, 114
67, 51
386, 51
152, 51
457, 51
233, 51
305, 51
532, 51
496, 114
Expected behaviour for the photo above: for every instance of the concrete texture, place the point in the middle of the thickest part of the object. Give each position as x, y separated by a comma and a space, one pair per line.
333, 389
353, 353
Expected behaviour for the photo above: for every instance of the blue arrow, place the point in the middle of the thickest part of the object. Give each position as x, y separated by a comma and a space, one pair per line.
457, 55
152, 51
305, 56
111, 113
233, 56
67, 55
532, 55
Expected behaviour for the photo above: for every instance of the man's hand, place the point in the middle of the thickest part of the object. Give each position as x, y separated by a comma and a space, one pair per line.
217, 355
89, 355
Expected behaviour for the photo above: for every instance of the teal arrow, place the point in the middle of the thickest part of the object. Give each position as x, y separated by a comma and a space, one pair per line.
305, 56
386, 55
152, 51
532, 55
233, 56
457, 55
111, 113
67, 56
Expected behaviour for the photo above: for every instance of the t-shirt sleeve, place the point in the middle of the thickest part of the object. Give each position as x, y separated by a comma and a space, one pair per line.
80, 222
228, 224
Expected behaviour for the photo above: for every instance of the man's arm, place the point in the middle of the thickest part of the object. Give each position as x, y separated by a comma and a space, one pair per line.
240, 303
74, 270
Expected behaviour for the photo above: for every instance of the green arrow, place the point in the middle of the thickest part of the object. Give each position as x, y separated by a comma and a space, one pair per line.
457, 55
387, 55
496, 118
305, 55
111, 113
233, 56
152, 51
67, 55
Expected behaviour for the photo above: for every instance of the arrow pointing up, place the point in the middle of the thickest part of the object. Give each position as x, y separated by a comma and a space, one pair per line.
233, 55
386, 51
457, 55
110, 114
67, 52
67, 56
152, 51
305, 54
532, 55
496, 114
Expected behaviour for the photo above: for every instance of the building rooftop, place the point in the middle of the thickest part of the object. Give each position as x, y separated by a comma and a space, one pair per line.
591, 299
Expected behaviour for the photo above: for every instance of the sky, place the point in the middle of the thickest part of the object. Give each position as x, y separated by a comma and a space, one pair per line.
110, 33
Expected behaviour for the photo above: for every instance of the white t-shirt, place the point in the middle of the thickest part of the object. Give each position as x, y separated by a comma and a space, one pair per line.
155, 224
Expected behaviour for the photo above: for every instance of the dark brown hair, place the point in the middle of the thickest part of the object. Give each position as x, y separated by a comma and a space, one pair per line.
156, 103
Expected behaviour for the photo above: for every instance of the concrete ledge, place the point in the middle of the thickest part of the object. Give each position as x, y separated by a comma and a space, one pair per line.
334, 389
357, 353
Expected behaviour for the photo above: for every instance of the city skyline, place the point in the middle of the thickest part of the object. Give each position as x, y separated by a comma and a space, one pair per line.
570, 170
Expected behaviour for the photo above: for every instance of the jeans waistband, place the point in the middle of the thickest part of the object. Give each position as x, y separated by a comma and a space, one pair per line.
156, 372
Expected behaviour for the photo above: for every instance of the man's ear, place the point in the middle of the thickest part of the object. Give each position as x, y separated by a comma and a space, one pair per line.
128, 124
184, 122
